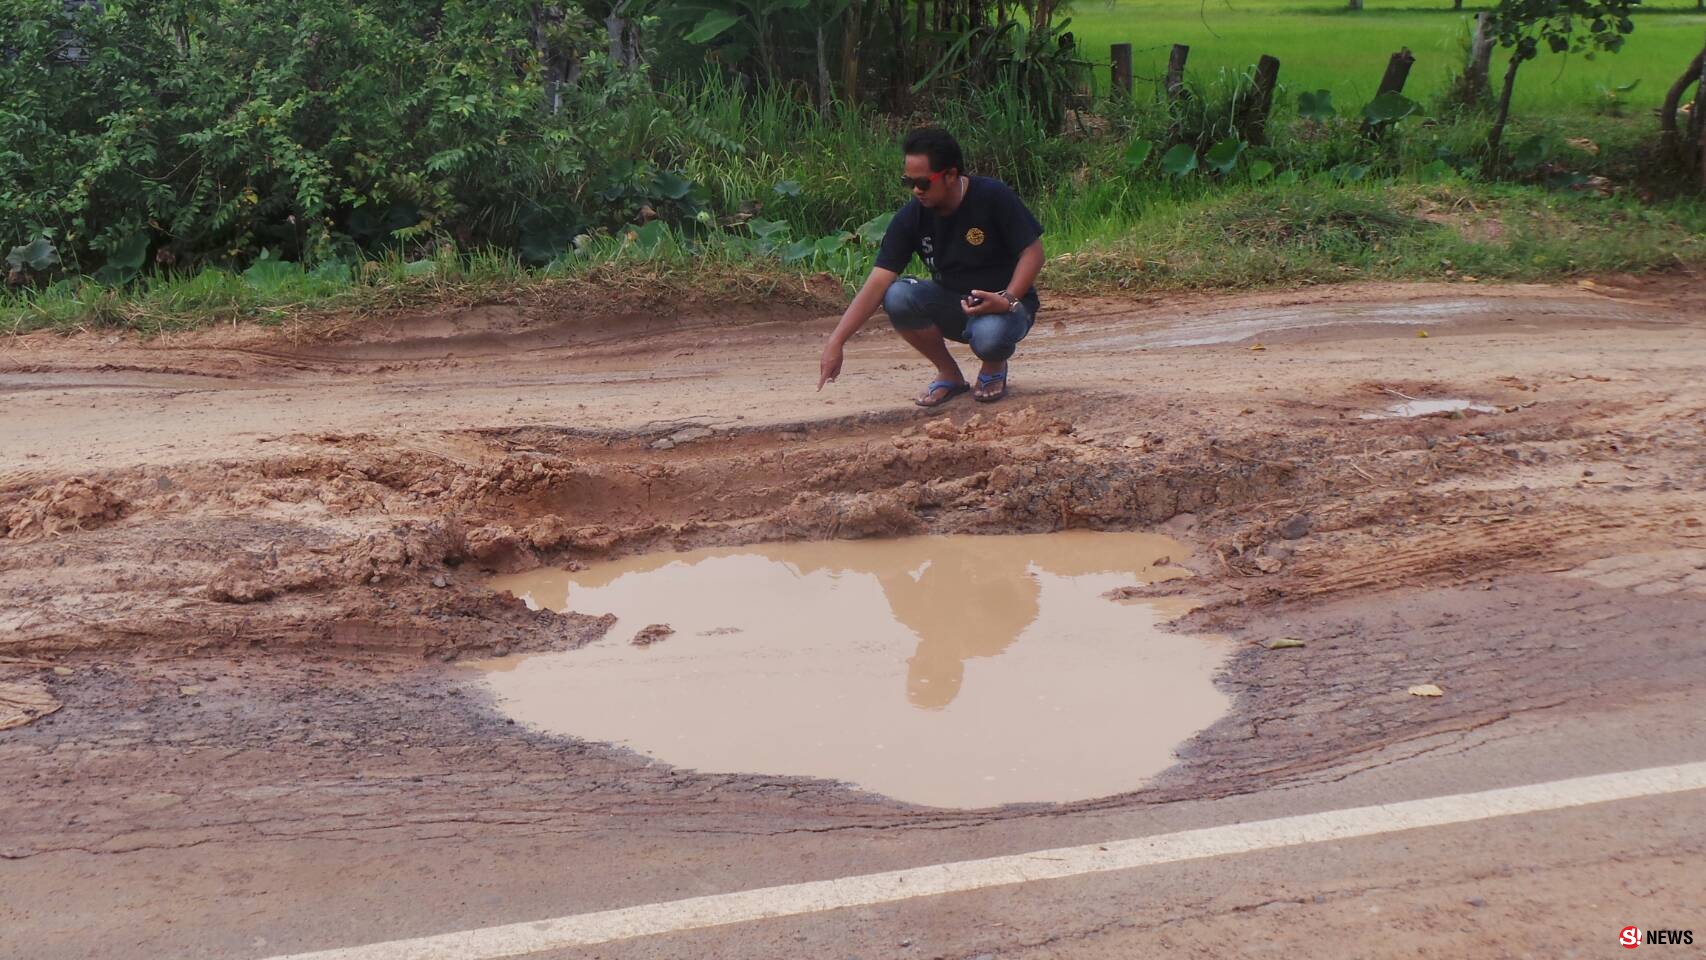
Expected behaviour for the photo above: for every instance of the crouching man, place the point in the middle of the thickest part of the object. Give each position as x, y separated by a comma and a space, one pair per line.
983, 250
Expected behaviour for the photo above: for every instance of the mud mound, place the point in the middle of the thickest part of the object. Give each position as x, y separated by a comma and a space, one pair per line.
76, 504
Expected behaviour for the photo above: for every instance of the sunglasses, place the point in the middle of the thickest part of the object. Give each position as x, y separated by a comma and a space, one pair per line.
922, 183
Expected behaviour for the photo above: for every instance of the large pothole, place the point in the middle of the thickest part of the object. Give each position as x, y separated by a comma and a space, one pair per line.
958, 671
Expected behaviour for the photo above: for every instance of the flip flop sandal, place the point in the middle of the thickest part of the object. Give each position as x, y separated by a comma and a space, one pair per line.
954, 389
984, 380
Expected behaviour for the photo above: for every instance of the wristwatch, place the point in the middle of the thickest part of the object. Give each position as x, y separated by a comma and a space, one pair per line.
1012, 301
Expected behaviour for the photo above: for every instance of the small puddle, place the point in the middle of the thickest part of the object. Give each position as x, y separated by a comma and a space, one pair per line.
957, 671
1427, 408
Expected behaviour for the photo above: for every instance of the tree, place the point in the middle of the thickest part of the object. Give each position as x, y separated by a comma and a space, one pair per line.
1564, 26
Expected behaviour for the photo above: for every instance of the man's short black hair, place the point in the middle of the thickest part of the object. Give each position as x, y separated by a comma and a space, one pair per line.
937, 145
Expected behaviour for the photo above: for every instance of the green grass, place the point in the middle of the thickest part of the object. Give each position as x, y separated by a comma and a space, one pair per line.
1144, 238
1328, 47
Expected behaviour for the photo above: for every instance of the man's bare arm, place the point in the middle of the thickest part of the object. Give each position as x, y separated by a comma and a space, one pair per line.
864, 305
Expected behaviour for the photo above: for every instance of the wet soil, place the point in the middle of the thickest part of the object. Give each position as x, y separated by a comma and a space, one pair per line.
255, 551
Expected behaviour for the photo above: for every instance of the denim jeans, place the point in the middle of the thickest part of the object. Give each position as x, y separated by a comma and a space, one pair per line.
914, 304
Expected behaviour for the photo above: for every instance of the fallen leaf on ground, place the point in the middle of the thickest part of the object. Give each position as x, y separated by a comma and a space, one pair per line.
1426, 690
1421, 334
22, 703
1285, 643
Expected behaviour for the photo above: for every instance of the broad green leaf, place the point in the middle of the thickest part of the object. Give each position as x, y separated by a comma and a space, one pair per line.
420, 268
767, 228
1287, 178
872, 230
1223, 156
671, 185
269, 274
132, 253
788, 188
828, 245
1180, 160
711, 26
1316, 105
798, 250
331, 270
1136, 153
1389, 107
1260, 170
1434, 172
1532, 153
39, 254
651, 236
1350, 172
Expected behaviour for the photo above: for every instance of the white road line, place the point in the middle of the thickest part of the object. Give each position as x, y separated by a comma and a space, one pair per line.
519, 939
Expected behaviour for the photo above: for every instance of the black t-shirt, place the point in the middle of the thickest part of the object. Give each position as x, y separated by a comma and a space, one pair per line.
976, 248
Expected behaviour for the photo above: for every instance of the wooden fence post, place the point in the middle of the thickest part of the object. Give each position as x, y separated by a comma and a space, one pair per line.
1255, 119
1397, 72
1176, 71
1120, 54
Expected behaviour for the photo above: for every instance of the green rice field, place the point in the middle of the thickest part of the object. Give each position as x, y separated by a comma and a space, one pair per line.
1330, 47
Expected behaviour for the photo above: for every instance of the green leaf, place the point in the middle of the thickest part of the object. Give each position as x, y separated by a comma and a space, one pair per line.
1223, 156
1317, 105
651, 236
1260, 170
1180, 160
1349, 172
1532, 153
872, 230
124, 262
828, 245
711, 26
1389, 107
788, 188
671, 185
798, 250
1434, 172
420, 268
336, 270
1136, 153
1287, 178
267, 274
767, 228
38, 255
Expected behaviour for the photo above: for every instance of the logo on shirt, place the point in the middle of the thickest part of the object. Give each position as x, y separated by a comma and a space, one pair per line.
974, 236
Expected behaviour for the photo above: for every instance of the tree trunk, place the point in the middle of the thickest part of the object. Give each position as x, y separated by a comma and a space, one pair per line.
624, 37
1495, 138
1355, 5
852, 35
1477, 73
1458, 4
898, 79
1669, 138
557, 66
825, 93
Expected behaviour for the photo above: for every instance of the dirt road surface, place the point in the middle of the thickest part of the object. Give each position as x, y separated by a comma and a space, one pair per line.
239, 568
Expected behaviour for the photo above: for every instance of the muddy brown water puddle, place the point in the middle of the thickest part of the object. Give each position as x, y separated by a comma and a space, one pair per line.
954, 671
